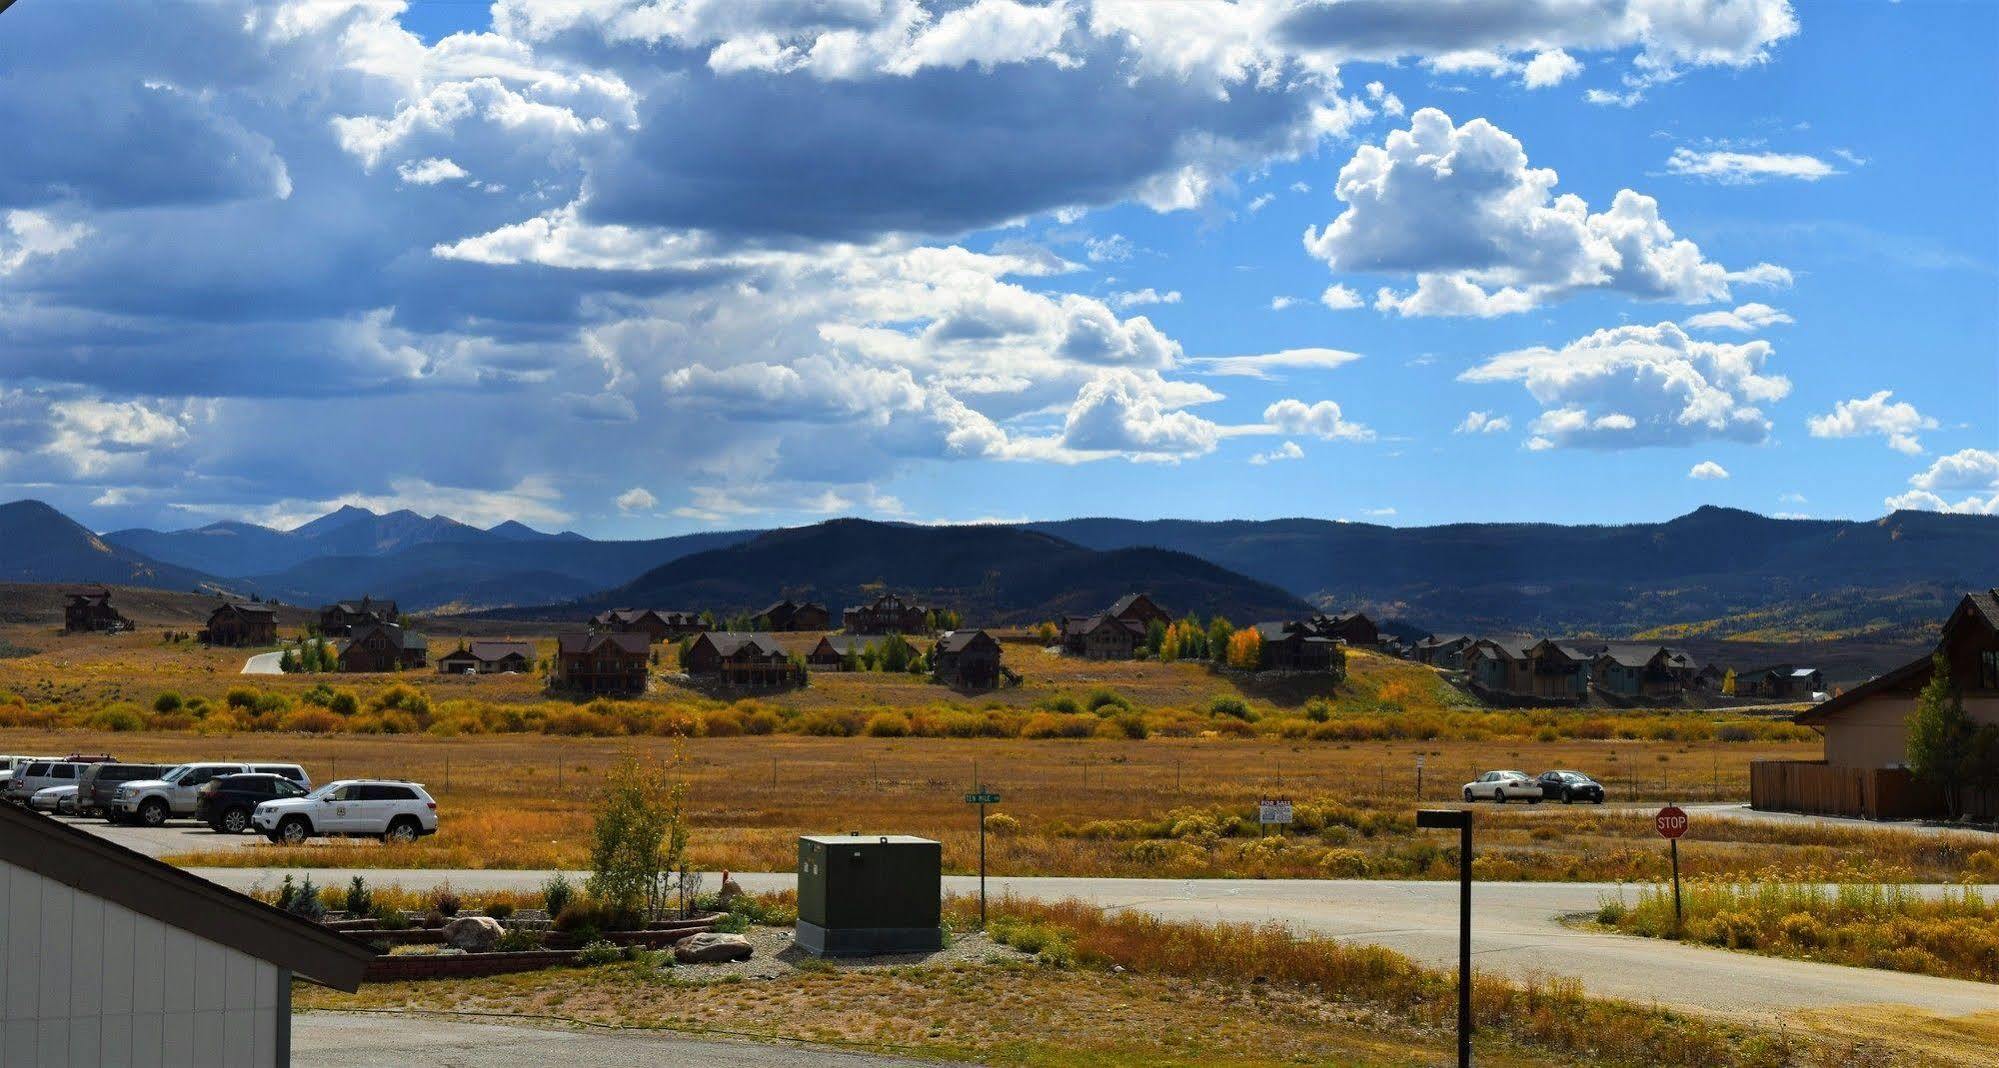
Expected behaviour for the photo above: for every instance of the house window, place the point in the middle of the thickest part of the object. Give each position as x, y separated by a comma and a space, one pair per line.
1988, 670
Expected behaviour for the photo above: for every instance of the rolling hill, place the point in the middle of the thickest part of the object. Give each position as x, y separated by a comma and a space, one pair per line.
990, 574
40, 544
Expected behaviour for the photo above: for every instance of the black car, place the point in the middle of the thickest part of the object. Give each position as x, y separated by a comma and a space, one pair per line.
1569, 787
226, 801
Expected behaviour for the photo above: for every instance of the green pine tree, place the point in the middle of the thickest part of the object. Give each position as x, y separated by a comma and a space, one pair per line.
1939, 736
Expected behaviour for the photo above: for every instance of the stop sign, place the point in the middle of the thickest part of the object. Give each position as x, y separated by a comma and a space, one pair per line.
1671, 822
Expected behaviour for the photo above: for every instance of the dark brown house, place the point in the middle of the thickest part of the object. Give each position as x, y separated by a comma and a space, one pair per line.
793, 615
378, 647
887, 614
1780, 682
1353, 628
88, 611
339, 619
241, 623
740, 659
1140, 609
656, 625
1652, 672
1444, 650
488, 658
969, 659
832, 651
601, 663
1103, 637
1296, 646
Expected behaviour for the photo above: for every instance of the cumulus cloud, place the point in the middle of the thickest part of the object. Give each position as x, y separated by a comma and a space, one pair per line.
1483, 423
1322, 419
429, 171
1552, 67
1287, 451
1746, 319
1708, 471
1746, 168
1971, 473
1132, 414
1486, 234
1897, 421
1340, 298
637, 499
1633, 386
1148, 295
1279, 303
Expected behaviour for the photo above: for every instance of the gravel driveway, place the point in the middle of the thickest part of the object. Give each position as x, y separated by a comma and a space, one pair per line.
344, 1040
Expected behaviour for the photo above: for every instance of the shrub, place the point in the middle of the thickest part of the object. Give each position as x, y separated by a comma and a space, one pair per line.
343, 702
888, 725
518, 940
1002, 825
500, 910
167, 702
1318, 710
1060, 702
599, 953
301, 901
1056, 725
1104, 697
725, 723
446, 902
1229, 704
828, 723
759, 721
1344, 863
1130, 725
310, 721
241, 697
556, 894
119, 717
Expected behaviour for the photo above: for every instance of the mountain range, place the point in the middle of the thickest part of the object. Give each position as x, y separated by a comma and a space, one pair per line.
1714, 572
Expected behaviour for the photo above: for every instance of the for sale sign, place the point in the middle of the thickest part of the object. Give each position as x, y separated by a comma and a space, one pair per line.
1671, 822
1273, 811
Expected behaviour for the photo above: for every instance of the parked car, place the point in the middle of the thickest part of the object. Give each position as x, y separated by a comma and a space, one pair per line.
225, 804
1503, 786
9, 765
54, 799
155, 801
390, 809
98, 787
1568, 787
41, 774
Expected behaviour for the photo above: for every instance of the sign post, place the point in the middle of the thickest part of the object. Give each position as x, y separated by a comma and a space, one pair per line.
1460, 819
982, 797
1671, 823
1273, 810
1419, 776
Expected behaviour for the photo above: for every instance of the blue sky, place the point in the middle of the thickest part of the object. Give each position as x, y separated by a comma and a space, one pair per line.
638, 268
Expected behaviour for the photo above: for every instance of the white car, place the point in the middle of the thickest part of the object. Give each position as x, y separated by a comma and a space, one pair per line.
152, 802
390, 809
1504, 786
54, 799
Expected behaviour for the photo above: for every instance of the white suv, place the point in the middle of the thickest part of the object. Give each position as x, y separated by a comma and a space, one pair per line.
154, 801
390, 809
40, 774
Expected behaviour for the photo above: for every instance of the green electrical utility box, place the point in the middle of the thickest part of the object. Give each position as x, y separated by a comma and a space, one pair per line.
861, 895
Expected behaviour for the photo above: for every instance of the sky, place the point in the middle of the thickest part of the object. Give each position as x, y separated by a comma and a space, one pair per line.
641, 267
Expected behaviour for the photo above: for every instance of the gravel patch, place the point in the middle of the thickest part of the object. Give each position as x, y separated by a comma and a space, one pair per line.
778, 956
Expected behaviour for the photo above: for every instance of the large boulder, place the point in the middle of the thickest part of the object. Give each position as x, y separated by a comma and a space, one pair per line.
474, 933
711, 948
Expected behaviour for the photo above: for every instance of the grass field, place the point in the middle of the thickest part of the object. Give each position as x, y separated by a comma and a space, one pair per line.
1955, 935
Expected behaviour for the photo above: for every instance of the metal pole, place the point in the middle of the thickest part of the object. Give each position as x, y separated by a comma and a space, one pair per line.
1464, 945
982, 860
1676, 884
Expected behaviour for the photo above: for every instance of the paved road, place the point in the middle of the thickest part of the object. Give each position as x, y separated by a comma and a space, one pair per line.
344, 1040
263, 664
1517, 930
176, 836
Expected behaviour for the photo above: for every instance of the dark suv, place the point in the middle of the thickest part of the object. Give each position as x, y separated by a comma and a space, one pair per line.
1569, 787
226, 801
99, 784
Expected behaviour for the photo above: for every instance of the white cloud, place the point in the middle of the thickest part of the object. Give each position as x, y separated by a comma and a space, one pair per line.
1552, 67
1321, 420
1972, 471
1762, 274
31, 233
1280, 303
637, 499
1483, 423
1132, 414
1287, 451
1340, 298
1642, 385
1485, 234
1262, 366
1377, 513
429, 171
1608, 99
1747, 319
1746, 168
1116, 248
1261, 202
1148, 295
1708, 471
1301, 187
1898, 421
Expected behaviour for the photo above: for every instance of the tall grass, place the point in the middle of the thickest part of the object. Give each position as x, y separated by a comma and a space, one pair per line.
1551, 1014
1954, 933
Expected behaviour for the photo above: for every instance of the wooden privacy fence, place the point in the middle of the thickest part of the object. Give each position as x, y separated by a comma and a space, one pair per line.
1817, 787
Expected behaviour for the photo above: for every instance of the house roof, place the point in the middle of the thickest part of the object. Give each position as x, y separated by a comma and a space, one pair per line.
494, 650
957, 641
1437, 641
1631, 656
729, 643
399, 637
1123, 604
247, 608
107, 870
842, 644
1980, 604
636, 644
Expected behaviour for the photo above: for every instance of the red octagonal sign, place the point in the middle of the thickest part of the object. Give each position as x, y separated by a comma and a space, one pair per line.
1671, 822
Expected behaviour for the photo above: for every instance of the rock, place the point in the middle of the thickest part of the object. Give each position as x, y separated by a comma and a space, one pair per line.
711, 948
477, 933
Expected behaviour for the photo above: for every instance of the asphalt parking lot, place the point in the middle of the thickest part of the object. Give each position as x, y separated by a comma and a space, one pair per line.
176, 836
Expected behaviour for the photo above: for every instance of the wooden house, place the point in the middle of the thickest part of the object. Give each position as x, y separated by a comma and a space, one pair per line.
1297, 646
1353, 628
1501, 664
90, 611
741, 659
1780, 682
1139, 608
1444, 650
241, 623
378, 647
601, 663
1863, 772
1103, 637
488, 658
656, 625
1635, 671
831, 653
793, 615
887, 614
969, 659
339, 619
